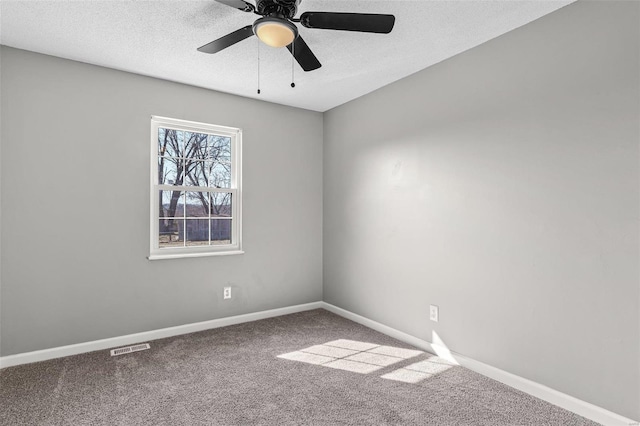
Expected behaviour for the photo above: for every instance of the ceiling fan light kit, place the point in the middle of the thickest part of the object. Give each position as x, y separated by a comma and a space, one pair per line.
275, 32
276, 28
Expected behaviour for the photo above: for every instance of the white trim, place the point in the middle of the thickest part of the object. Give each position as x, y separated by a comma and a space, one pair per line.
195, 126
195, 189
130, 339
562, 400
192, 254
235, 247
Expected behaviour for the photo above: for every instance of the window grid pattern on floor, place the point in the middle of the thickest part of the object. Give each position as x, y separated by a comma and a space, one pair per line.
365, 358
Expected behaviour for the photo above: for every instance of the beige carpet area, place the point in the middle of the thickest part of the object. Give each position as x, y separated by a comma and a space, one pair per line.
310, 368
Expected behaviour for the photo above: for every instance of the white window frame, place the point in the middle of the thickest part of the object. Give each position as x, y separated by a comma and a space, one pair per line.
235, 134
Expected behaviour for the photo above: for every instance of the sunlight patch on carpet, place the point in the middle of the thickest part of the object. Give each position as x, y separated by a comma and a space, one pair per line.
419, 371
351, 355
375, 359
353, 366
352, 344
406, 376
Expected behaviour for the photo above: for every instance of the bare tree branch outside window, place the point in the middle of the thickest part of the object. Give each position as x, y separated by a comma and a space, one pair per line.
201, 161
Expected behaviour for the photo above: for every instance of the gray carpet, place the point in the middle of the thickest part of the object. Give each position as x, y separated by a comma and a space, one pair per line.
234, 376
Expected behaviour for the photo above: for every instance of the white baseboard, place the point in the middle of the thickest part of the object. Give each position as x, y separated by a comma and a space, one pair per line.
97, 345
562, 400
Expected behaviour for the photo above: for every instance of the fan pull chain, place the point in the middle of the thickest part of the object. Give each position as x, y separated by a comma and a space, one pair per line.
258, 67
293, 51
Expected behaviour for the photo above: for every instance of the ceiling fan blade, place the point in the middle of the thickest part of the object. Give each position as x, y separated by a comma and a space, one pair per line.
226, 41
238, 4
305, 57
362, 22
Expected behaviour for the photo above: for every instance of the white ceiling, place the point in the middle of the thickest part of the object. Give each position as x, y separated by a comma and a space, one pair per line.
159, 39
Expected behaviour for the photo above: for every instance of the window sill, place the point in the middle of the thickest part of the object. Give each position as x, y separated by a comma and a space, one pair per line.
185, 255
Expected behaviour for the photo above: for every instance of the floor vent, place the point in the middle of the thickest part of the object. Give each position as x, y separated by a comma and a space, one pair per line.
129, 349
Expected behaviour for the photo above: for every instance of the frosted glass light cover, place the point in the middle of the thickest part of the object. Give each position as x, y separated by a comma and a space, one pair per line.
275, 34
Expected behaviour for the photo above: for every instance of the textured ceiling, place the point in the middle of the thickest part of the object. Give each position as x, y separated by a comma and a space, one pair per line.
159, 39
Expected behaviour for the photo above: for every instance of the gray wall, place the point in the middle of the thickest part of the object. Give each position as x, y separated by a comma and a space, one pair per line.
75, 199
503, 186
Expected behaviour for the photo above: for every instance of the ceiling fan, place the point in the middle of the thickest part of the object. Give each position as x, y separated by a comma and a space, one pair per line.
276, 28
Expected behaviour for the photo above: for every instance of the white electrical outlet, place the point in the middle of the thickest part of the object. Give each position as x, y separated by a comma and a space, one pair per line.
227, 293
433, 313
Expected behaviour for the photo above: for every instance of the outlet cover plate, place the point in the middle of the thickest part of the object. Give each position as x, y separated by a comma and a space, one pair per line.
227, 293
434, 313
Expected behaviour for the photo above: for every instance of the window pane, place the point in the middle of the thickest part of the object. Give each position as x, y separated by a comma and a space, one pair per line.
171, 204
218, 149
219, 153
219, 174
171, 233
197, 204
169, 171
195, 145
197, 232
220, 204
170, 142
221, 231
196, 173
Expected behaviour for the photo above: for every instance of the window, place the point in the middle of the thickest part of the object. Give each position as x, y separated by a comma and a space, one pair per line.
195, 189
